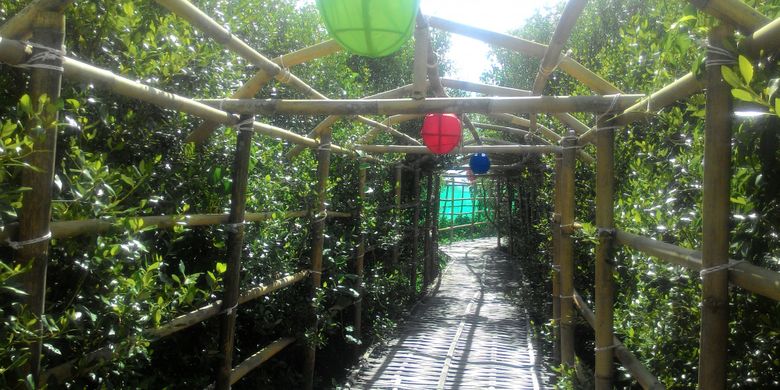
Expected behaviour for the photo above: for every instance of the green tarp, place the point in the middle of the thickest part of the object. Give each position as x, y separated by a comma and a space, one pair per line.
372, 28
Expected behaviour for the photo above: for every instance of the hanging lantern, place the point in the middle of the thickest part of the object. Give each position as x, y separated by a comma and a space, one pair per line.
441, 132
479, 163
372, 28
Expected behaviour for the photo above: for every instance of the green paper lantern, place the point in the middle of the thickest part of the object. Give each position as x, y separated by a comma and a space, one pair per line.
372, 28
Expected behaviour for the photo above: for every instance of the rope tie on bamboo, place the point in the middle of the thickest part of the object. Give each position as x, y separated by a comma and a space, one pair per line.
556, 268
324, 147
321, 216
230, 310
608, 347
722, 267
566, 296
233, 227
599, 119
245, 125
548, 71
20, 244
726, 57
39, 59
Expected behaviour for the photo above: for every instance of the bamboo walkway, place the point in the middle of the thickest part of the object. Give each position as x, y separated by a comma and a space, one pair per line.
467, 335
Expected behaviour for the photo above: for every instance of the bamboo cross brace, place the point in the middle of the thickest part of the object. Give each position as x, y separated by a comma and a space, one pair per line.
457, 105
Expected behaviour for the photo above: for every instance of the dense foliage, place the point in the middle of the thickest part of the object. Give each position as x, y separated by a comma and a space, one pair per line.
641, 46
120, 158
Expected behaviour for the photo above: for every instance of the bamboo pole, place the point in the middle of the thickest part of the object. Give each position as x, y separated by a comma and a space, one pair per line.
510, 193
20, 25
568, 65
420, 67
332, 119
13, 52
318, 243
69, 229
750, 277
211, 28
733, 12
76, 367
473, 215
397, 215
498, 213
235, 245
427, 226
510, 149
415, 236
566, 250
548, 134
556, 259
485, 89
259, 358
361, 249
605, 221
261, 78
766, 38
458, 105
552, 53
32, 245
713, 344
435, 227
637, 370
452, 213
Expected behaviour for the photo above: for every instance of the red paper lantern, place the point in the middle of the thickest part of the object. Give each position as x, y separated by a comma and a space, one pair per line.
441, 132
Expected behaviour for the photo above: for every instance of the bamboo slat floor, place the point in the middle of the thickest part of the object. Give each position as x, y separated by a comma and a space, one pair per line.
468, 335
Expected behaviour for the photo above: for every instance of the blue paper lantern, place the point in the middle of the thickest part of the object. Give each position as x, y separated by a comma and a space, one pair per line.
479, 163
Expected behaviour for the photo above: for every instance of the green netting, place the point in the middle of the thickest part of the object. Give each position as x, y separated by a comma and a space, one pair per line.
372, 28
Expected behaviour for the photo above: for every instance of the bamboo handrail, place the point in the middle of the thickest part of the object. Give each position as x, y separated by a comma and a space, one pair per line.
637, 370
19, 26
750, 277
252, 86
568, 65
68, 229
65, 371
518, 149
458, 105
259, 358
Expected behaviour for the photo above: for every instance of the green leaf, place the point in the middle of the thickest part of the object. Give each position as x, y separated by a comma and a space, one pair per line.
730, 77
741, 94
746, 68
221, 268
777, 106
25, 104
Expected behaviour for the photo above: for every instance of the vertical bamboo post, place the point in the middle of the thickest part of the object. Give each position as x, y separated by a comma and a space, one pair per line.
510, 215
235, 246
32, 245
361, 249
713, 362
498, 213
421, 43
452, 213
473, 214
556, 267
435, 227
397, 218
605, 221
566, 249
415, 235
318, 243
427, 244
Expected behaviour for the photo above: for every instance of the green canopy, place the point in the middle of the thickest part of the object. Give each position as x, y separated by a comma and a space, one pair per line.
372, 28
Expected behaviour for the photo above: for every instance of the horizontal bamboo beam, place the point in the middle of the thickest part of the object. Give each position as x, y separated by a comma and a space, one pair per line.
748, 276
552, 136
766, 38
13, 52
514, 149
486, 89
638, 371
462, 226
68, 229
482, 105
261, 78
19, 26
733, 12
76, 367
568, 65
259, 358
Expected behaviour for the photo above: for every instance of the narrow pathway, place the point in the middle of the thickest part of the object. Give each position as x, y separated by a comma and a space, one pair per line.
468, 335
